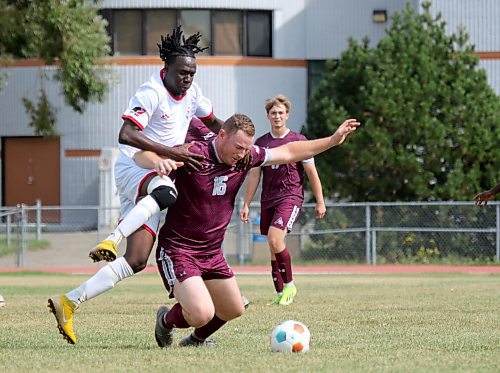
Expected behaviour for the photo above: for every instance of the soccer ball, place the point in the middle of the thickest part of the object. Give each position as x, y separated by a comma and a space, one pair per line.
291, 336
2, 301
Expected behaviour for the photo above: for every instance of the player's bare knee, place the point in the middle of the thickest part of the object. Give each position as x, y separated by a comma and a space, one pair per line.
276, 245
136, 263
201, 318
163, 191
199, 314
237, 310
139, 266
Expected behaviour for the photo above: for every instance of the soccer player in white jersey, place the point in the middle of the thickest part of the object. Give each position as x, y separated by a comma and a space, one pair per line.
156, 119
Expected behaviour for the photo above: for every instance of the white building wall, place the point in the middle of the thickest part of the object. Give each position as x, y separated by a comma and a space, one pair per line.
492, 68
481, 19
329, 24
198, 4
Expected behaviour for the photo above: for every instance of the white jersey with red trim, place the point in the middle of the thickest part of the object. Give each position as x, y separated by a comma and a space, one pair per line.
162, 117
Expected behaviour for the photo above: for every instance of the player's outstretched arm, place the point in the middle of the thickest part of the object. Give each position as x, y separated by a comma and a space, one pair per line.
483, 197
300, 150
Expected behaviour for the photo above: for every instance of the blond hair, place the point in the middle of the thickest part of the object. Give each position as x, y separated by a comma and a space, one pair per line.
278, 100
239, 122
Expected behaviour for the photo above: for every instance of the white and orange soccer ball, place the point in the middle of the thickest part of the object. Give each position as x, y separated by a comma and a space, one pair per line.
291, 336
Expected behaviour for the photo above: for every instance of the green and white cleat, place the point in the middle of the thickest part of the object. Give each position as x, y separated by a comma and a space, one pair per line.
276, 300
289, 292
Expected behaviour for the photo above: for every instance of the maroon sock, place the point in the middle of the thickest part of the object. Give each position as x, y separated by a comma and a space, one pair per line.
175, 319
285, 265
208, 329
275, 273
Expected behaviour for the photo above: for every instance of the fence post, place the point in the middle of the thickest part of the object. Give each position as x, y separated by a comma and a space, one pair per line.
18, 235
374, 247
498, 233
368, 233
24, 236
38, 220
9, 231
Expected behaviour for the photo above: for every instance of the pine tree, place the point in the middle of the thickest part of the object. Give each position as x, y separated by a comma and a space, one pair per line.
430, 121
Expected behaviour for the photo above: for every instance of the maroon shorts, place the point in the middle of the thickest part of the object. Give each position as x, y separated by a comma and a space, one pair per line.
177, 264
281, 216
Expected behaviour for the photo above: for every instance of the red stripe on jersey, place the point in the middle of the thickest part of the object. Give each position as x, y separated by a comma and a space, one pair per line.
150, 231
133, 120
209, 115
146, 228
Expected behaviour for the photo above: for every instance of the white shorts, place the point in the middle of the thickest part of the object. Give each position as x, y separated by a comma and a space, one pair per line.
129, 178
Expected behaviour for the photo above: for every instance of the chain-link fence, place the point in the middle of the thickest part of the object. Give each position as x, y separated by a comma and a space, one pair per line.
350, 233
380, 233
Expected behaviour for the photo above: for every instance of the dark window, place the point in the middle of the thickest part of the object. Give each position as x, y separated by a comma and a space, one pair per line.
315, 69
225, 32
259, 34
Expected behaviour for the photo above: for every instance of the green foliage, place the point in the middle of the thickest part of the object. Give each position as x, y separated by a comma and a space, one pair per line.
42, 115
69, 34
430, 121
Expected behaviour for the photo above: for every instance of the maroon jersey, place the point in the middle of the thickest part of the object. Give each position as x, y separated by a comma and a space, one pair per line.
198, 220
283, 181
198, 131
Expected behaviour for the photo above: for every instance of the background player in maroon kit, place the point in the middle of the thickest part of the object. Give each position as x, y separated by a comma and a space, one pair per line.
282, 197
189, 253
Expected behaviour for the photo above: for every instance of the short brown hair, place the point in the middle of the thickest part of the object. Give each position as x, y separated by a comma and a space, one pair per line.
278, 100
239, 122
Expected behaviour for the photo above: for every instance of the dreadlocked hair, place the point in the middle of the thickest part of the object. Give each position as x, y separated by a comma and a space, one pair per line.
172, 47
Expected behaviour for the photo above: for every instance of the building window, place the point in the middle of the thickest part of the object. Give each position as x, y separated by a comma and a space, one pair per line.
258, 34
194, 21
225, 32
127, 33
156, 22
315, 70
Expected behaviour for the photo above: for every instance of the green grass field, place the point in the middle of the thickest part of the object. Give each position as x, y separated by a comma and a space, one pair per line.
369, 323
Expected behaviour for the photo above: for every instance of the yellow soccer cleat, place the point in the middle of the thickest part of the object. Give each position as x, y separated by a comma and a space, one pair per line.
289, 292
63, 310
106, 250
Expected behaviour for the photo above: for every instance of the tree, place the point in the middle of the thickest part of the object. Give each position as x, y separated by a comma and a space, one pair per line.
430, 121
67, 33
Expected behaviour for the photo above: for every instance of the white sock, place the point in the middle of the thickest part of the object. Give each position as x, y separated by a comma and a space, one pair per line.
288, 283
139, 215
104, 280
115, 236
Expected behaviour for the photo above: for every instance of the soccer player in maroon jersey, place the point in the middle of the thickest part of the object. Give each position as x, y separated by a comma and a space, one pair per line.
189, 253
282, 196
